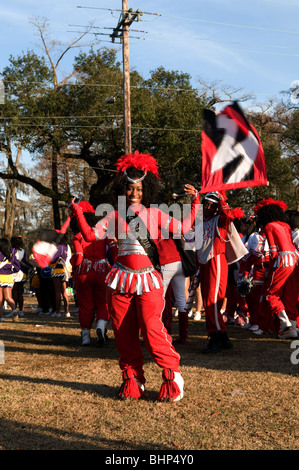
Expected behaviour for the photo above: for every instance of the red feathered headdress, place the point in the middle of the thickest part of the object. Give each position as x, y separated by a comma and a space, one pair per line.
237, 213
141, 161
267, 202
86, 206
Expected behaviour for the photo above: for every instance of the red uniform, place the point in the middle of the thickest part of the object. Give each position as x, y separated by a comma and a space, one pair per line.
90, 268
135, 296
256, 264
283, 280
214, 267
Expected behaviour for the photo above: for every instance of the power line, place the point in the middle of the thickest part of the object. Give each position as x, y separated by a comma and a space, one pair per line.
220, 23
60, 117
231, 50
166, 129
104, 27
218, 42
138, 87
234, 25
111, 86
260, 44
118, 9
64, 84
65, 126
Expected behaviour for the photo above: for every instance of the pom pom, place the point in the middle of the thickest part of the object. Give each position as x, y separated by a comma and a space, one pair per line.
244, 286
269, 201
237, 213
140, 161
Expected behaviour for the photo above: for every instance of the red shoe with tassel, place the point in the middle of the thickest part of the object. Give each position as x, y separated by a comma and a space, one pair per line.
172, 386
131, 387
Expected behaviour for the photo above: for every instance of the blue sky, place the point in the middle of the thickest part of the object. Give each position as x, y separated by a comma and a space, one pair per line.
252, 46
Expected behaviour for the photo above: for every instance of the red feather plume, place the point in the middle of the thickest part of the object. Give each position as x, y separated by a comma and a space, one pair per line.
222, 192
141, 161
238, 213
267, 202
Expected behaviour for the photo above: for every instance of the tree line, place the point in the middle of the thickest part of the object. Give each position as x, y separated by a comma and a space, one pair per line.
73, 136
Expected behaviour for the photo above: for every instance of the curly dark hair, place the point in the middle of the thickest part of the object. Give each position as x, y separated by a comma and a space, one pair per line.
237, 224
5, 248
270, 213
150, 185
293, 219
17, 242
251, 224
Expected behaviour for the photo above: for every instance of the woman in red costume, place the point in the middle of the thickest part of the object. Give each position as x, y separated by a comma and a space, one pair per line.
282, 283
135, 294
90, 268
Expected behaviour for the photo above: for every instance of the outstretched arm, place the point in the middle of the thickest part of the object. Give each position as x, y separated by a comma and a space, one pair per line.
90, 234
172, 224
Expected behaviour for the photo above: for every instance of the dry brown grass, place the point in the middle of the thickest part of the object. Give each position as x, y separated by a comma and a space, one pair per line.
56, 395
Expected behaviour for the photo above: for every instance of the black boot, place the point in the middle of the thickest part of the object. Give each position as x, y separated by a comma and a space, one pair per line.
224, 340
213, 345
183, 328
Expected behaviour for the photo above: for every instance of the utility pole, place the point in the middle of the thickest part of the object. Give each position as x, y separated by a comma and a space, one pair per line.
127, 86
122, 31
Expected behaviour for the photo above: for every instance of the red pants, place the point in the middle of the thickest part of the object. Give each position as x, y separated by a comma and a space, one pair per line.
91, 297
291, 295
213, 277
278, 287
281, 293
253, 302
266, 321
130, 314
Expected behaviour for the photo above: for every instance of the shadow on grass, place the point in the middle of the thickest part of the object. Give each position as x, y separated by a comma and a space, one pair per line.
250, 352
17, 435
48, 336
102, 390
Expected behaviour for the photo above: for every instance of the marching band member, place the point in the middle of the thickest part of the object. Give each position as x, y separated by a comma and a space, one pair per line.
90, 268
283, 277
135, 296
218, 234
255, 263
8, 265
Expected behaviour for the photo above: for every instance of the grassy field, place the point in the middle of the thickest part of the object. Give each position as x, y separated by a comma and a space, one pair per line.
57, 395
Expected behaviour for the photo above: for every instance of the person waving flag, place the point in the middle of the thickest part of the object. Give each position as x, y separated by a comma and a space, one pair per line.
232, 153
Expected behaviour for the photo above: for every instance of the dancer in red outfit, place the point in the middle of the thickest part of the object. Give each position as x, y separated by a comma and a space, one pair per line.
213, 264
90, 268
135, 286
256, 261
282, 283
